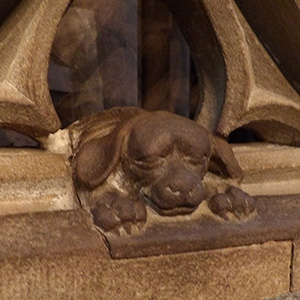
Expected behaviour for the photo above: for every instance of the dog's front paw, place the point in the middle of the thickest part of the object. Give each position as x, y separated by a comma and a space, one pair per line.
233, 201
114, 211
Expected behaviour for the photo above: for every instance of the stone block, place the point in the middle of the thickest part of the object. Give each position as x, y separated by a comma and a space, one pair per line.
269, 169
35, 180
253, 272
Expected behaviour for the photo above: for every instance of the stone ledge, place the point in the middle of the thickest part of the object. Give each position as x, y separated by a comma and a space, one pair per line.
269, 169
60, 255
33, 180
47, 234
66, 231
277, 219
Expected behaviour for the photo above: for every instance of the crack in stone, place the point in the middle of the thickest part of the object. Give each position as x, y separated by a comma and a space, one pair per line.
291, 266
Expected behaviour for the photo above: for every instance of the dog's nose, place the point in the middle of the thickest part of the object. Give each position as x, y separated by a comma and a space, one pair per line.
180, 189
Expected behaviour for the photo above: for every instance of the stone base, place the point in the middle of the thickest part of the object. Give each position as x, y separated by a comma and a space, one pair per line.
254, 272
60, 255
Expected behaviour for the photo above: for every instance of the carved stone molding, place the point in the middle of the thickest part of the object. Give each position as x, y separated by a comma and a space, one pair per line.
26, 38
269, 169
262, 102
256, 95
274, 23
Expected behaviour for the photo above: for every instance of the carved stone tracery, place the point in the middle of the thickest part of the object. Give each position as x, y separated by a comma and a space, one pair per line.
130, 165
26, 37
165, 179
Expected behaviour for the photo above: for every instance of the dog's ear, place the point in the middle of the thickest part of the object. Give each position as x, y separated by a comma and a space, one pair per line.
222, 161
97, 158
99, 155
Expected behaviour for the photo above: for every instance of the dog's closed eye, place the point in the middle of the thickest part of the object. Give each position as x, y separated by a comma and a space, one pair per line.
149, 162
149, 149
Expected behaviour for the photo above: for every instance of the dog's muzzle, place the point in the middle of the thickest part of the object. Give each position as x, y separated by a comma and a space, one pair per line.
179, 191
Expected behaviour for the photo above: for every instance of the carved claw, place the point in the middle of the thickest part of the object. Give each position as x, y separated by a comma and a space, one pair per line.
114, 212
234, 201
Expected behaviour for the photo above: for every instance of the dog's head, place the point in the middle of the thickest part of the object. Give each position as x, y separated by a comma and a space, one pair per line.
168, 155
165, 156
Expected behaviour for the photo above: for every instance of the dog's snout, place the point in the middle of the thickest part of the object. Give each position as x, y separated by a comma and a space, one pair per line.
183, 184
186, 196
180, 188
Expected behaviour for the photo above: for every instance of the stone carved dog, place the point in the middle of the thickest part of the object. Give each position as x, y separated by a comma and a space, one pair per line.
126, 158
